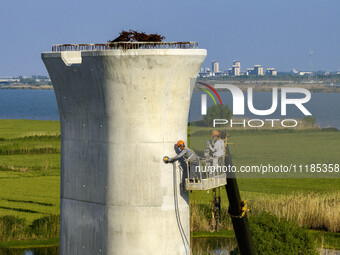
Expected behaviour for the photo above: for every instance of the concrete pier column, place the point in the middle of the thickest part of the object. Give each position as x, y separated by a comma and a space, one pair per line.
121, 111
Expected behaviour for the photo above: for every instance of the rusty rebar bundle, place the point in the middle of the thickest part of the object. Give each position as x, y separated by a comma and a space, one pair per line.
135, 36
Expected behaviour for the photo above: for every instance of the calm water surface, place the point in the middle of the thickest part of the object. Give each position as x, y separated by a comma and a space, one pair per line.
33, 251
42, 105
200, 246
28, 104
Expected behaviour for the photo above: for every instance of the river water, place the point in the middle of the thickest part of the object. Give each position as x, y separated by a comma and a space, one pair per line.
42, 105
200, 246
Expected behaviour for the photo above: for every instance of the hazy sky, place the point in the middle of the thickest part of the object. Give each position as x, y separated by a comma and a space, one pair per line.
269, 32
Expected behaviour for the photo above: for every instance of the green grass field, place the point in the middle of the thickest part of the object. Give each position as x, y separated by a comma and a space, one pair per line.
29, 168
24, 128
30, 172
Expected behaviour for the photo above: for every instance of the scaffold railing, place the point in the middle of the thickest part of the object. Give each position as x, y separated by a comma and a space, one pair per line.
125, 46
210, 174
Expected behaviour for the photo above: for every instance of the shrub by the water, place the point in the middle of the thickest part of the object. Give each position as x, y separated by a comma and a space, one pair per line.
46, 227
201, 218
17, 149
272, 235
309, 120
11, 227
15, 228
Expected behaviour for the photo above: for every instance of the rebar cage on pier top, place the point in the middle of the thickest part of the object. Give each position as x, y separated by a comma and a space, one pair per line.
125, 46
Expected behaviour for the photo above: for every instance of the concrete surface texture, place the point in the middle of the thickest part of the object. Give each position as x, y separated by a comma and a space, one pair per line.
121, 111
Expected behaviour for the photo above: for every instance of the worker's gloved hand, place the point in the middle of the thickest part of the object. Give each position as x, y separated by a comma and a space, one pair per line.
208, 142
167, 160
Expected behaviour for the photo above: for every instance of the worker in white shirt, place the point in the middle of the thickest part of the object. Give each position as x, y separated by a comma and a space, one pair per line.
217, 148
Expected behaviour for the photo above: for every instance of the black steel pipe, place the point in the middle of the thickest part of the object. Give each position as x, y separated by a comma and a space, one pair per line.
240, 224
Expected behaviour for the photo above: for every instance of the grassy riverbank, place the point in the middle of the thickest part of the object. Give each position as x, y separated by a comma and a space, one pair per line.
30, 178
40, 87
27, 244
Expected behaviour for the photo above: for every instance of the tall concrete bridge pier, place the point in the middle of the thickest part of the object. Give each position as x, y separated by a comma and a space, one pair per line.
122, 108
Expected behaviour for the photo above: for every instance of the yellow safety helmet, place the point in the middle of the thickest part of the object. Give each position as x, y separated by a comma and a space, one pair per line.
180, 143
215, 133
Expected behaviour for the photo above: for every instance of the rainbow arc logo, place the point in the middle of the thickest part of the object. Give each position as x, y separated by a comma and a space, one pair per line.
204, 97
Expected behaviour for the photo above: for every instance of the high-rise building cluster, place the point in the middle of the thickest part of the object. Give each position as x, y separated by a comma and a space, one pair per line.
271, 71
235, 70
215, 66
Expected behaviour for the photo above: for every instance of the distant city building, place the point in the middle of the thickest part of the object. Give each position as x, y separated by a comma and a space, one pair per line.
215, 66
305, 73
258, 69
220, 74
237, 63
250, 71
215, 71
235, 69
206, 72
295, 72
271, 71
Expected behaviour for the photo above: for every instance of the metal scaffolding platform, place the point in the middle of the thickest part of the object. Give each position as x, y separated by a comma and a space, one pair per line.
209, 176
